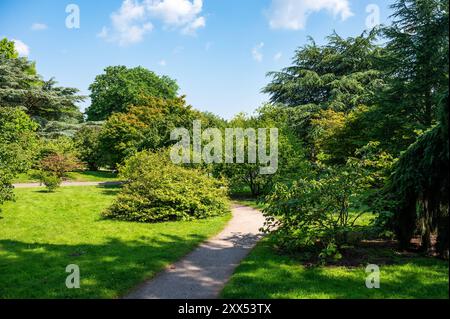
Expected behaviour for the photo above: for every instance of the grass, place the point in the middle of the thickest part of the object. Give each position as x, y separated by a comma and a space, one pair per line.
250, 202
79, 176
92, 176
41, 233
266, 273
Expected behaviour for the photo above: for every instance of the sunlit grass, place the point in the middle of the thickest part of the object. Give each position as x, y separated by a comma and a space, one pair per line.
79, 176
41, 233
268, 274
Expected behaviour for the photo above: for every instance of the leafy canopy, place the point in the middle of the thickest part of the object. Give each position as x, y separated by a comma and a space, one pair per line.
146, 126
17, 146
120, 87
325, 84
20, 86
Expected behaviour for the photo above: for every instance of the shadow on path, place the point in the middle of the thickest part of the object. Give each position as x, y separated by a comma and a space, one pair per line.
204, 272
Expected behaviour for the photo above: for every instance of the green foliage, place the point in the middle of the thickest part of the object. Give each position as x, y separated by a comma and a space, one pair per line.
414, 65
325, 84
330, 252
55, 129
59, 164
316, 212
416, 60
419, 186
146, 126
339, 75
7, 49
413, 107
158, 190
247, 176
50, 180
54, 146
42, 100
17, 147
353, 101
120, 87
53, 168
88, 145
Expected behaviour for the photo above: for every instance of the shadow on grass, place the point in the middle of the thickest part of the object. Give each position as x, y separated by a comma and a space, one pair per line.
45, 191
37, 270
112, 269
110, 188
201, 274
98, 174
266, 274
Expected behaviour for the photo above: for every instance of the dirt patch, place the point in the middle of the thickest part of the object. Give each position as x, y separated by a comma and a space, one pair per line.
379, 252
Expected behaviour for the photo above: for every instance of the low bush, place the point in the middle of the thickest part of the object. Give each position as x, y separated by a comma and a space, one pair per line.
319, 213
50, 180
87, 144
59, 164
158, 190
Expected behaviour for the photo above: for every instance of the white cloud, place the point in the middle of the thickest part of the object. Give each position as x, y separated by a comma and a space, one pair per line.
21, 48
134, 19
256, 52
183, 14
162, 62
277, 56
293, 14
129, 25
191, 27
104, 33
38, 26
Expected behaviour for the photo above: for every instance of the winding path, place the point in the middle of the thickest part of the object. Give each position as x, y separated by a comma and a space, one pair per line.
68, 183
204, 272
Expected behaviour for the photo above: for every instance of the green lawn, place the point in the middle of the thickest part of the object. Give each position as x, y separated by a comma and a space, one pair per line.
92, 176
267, 274
81, 176
250, 202
41, 233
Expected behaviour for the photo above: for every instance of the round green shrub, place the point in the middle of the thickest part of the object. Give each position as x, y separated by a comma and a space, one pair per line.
50, 180
158, 190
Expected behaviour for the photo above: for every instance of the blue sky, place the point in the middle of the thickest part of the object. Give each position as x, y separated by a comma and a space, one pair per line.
218, 50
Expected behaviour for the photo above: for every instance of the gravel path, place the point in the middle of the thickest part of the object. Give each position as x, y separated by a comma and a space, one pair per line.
31, 185
204, 272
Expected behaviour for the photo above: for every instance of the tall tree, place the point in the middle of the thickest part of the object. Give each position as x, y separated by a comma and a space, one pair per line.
17, 141
337, 78
20, 86
417, 92
7, 49
120, 87
339, 75
416, 62
143, 127
247, 177
420, 186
